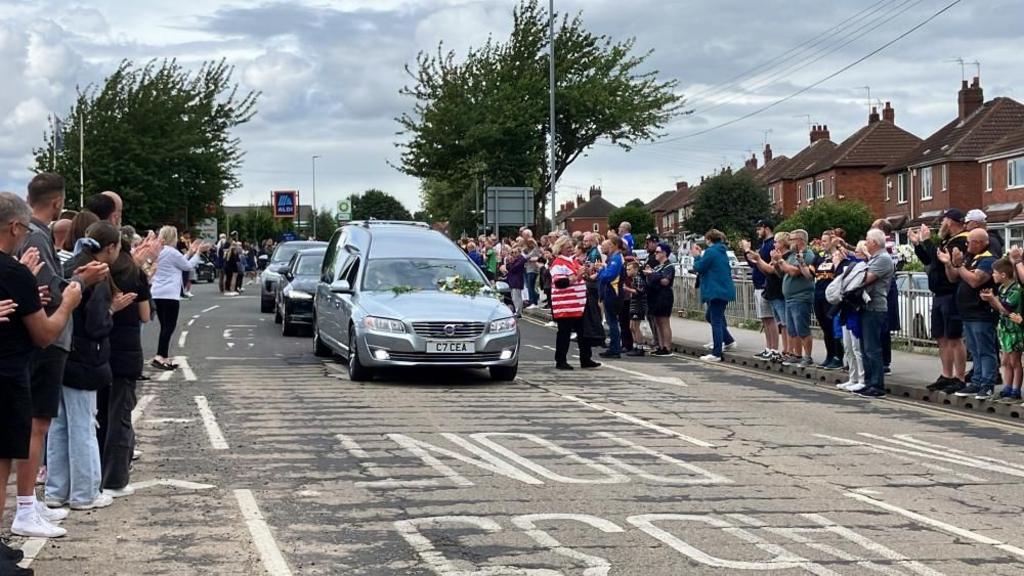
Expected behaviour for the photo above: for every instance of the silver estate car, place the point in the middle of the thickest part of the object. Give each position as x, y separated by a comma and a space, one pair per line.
385, 300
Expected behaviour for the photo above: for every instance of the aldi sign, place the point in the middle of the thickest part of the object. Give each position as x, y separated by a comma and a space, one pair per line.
285, 203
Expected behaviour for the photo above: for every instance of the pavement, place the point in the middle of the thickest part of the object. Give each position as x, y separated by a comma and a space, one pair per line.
262, 459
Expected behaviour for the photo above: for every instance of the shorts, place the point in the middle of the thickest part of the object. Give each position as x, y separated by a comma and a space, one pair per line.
779, 311
946, 321
47, 377
762, 307
16, 415
798, 318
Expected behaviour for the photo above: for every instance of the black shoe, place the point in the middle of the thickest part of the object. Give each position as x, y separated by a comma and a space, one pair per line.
939, 384
611, 355
12, 569
871, 393
563, 366
887, 370
955, 385
590, 364
662, 352
8, 553
636, 352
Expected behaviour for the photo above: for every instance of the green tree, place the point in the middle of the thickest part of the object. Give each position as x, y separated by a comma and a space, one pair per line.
326, 224
159, 135
483, 118
850, 215
380, 205
639, 218
636, 203
730, 202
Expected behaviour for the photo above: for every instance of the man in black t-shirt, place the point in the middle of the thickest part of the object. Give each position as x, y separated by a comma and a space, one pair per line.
26, 328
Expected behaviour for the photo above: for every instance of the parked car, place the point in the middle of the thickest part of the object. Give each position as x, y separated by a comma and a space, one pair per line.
397, 294
293, 303
278, 262
206, 271
915, 304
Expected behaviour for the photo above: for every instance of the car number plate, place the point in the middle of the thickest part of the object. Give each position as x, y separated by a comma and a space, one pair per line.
452, 347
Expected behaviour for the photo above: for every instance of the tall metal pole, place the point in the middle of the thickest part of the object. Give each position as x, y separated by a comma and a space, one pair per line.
81, 159
551, 89
315, 215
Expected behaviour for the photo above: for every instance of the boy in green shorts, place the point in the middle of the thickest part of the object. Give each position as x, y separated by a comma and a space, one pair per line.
1010, 332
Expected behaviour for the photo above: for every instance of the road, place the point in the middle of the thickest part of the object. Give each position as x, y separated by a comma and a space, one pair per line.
262, 459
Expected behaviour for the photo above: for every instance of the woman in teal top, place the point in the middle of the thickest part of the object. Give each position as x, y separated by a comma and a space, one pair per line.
716, 288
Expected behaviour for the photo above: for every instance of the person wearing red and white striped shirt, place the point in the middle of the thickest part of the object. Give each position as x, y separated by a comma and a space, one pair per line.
568, 305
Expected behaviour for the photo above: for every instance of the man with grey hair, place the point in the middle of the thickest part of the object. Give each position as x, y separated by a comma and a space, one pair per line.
872, 318
798, 289
976, 219
625, 232
28, 328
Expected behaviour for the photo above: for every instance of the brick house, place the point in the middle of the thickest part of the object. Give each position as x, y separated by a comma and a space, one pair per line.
944, 171
589, 216
657, 208
768, 176
1003, 173
787, 198
677, 209
852, 170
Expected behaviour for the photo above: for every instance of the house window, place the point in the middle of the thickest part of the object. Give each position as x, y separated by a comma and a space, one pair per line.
945, 177
809, 191
988, 177
819, 188
832, 185
901, 188
597, 227
888, 188
1015, 173
926, 183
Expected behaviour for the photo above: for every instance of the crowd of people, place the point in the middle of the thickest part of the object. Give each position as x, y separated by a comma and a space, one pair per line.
75, 290
598, 291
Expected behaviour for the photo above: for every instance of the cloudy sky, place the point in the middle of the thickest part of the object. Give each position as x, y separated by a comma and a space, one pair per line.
330, 72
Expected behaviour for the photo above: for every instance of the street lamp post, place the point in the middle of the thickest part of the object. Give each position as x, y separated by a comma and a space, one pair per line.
551, 90
314, 196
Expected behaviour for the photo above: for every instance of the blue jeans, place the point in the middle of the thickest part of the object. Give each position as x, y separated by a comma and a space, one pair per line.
531, 287
798, 318
611, 316
872, 324
719, 329
72, 450
983, 346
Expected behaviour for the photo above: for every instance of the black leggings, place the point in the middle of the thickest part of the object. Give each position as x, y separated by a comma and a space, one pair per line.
833, 345
563, 339
116, 436
167, 312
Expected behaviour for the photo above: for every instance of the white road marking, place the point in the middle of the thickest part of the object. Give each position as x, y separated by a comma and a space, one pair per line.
610, 476
196, 317
635, 420
349, 444
141, 406
484, 459
244, 358
182, 338
532, 346
169, 420
230, 345
31, 549
551, 348
192, 321
671, 380
938, 524
210, 422
165, 376
597, 566
186, 370
183, 484
241, 325
273, 561
703, 476
211, 309
920, 452
946, 450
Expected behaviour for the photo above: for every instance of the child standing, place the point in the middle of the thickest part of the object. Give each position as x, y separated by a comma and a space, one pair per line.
636, 287
1009, 331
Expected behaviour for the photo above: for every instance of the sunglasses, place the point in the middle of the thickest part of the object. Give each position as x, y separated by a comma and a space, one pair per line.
21, 224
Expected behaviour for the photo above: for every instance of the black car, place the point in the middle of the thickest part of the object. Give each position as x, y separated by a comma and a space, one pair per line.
294, 302
206, 271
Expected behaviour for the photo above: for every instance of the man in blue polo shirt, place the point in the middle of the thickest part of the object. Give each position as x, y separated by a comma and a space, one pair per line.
762, 307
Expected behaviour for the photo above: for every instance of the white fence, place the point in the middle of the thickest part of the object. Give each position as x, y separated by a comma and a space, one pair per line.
914, 303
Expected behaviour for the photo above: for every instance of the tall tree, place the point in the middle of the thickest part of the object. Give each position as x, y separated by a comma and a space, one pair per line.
730, 202
326, 224
852, 216
640, 220
159, 135
484, 118
380, 205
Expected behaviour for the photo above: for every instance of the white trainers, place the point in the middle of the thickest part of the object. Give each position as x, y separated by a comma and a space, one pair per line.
55, 503
711, 358
729, 346
101, 501
31, 525
856, 387
709, 346
50, 514
120, 493
843, 385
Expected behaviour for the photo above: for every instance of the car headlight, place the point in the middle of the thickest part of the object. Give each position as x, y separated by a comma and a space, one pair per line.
385, 325
503, 325
298, 295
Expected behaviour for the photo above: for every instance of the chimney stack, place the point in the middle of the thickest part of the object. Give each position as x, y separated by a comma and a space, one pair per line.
889, 113
751, 163
682, 186
767, 153
595, 192
819, 132
970, 98
873, 117
579, 200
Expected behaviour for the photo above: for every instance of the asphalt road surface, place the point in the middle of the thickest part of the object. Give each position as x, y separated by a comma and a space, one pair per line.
259, 458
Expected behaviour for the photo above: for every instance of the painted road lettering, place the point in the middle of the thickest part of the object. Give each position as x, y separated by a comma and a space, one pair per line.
492, 453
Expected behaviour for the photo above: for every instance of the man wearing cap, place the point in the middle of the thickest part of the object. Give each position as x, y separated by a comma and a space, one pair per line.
977, 219
947, 325
651, 244
759, 265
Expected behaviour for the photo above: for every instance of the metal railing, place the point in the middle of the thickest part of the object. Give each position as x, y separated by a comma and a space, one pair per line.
914, 306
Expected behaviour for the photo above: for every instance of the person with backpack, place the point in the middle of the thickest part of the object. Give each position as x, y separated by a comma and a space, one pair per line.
845, 295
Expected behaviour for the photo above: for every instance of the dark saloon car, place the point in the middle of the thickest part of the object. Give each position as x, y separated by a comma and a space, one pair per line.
294, 305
